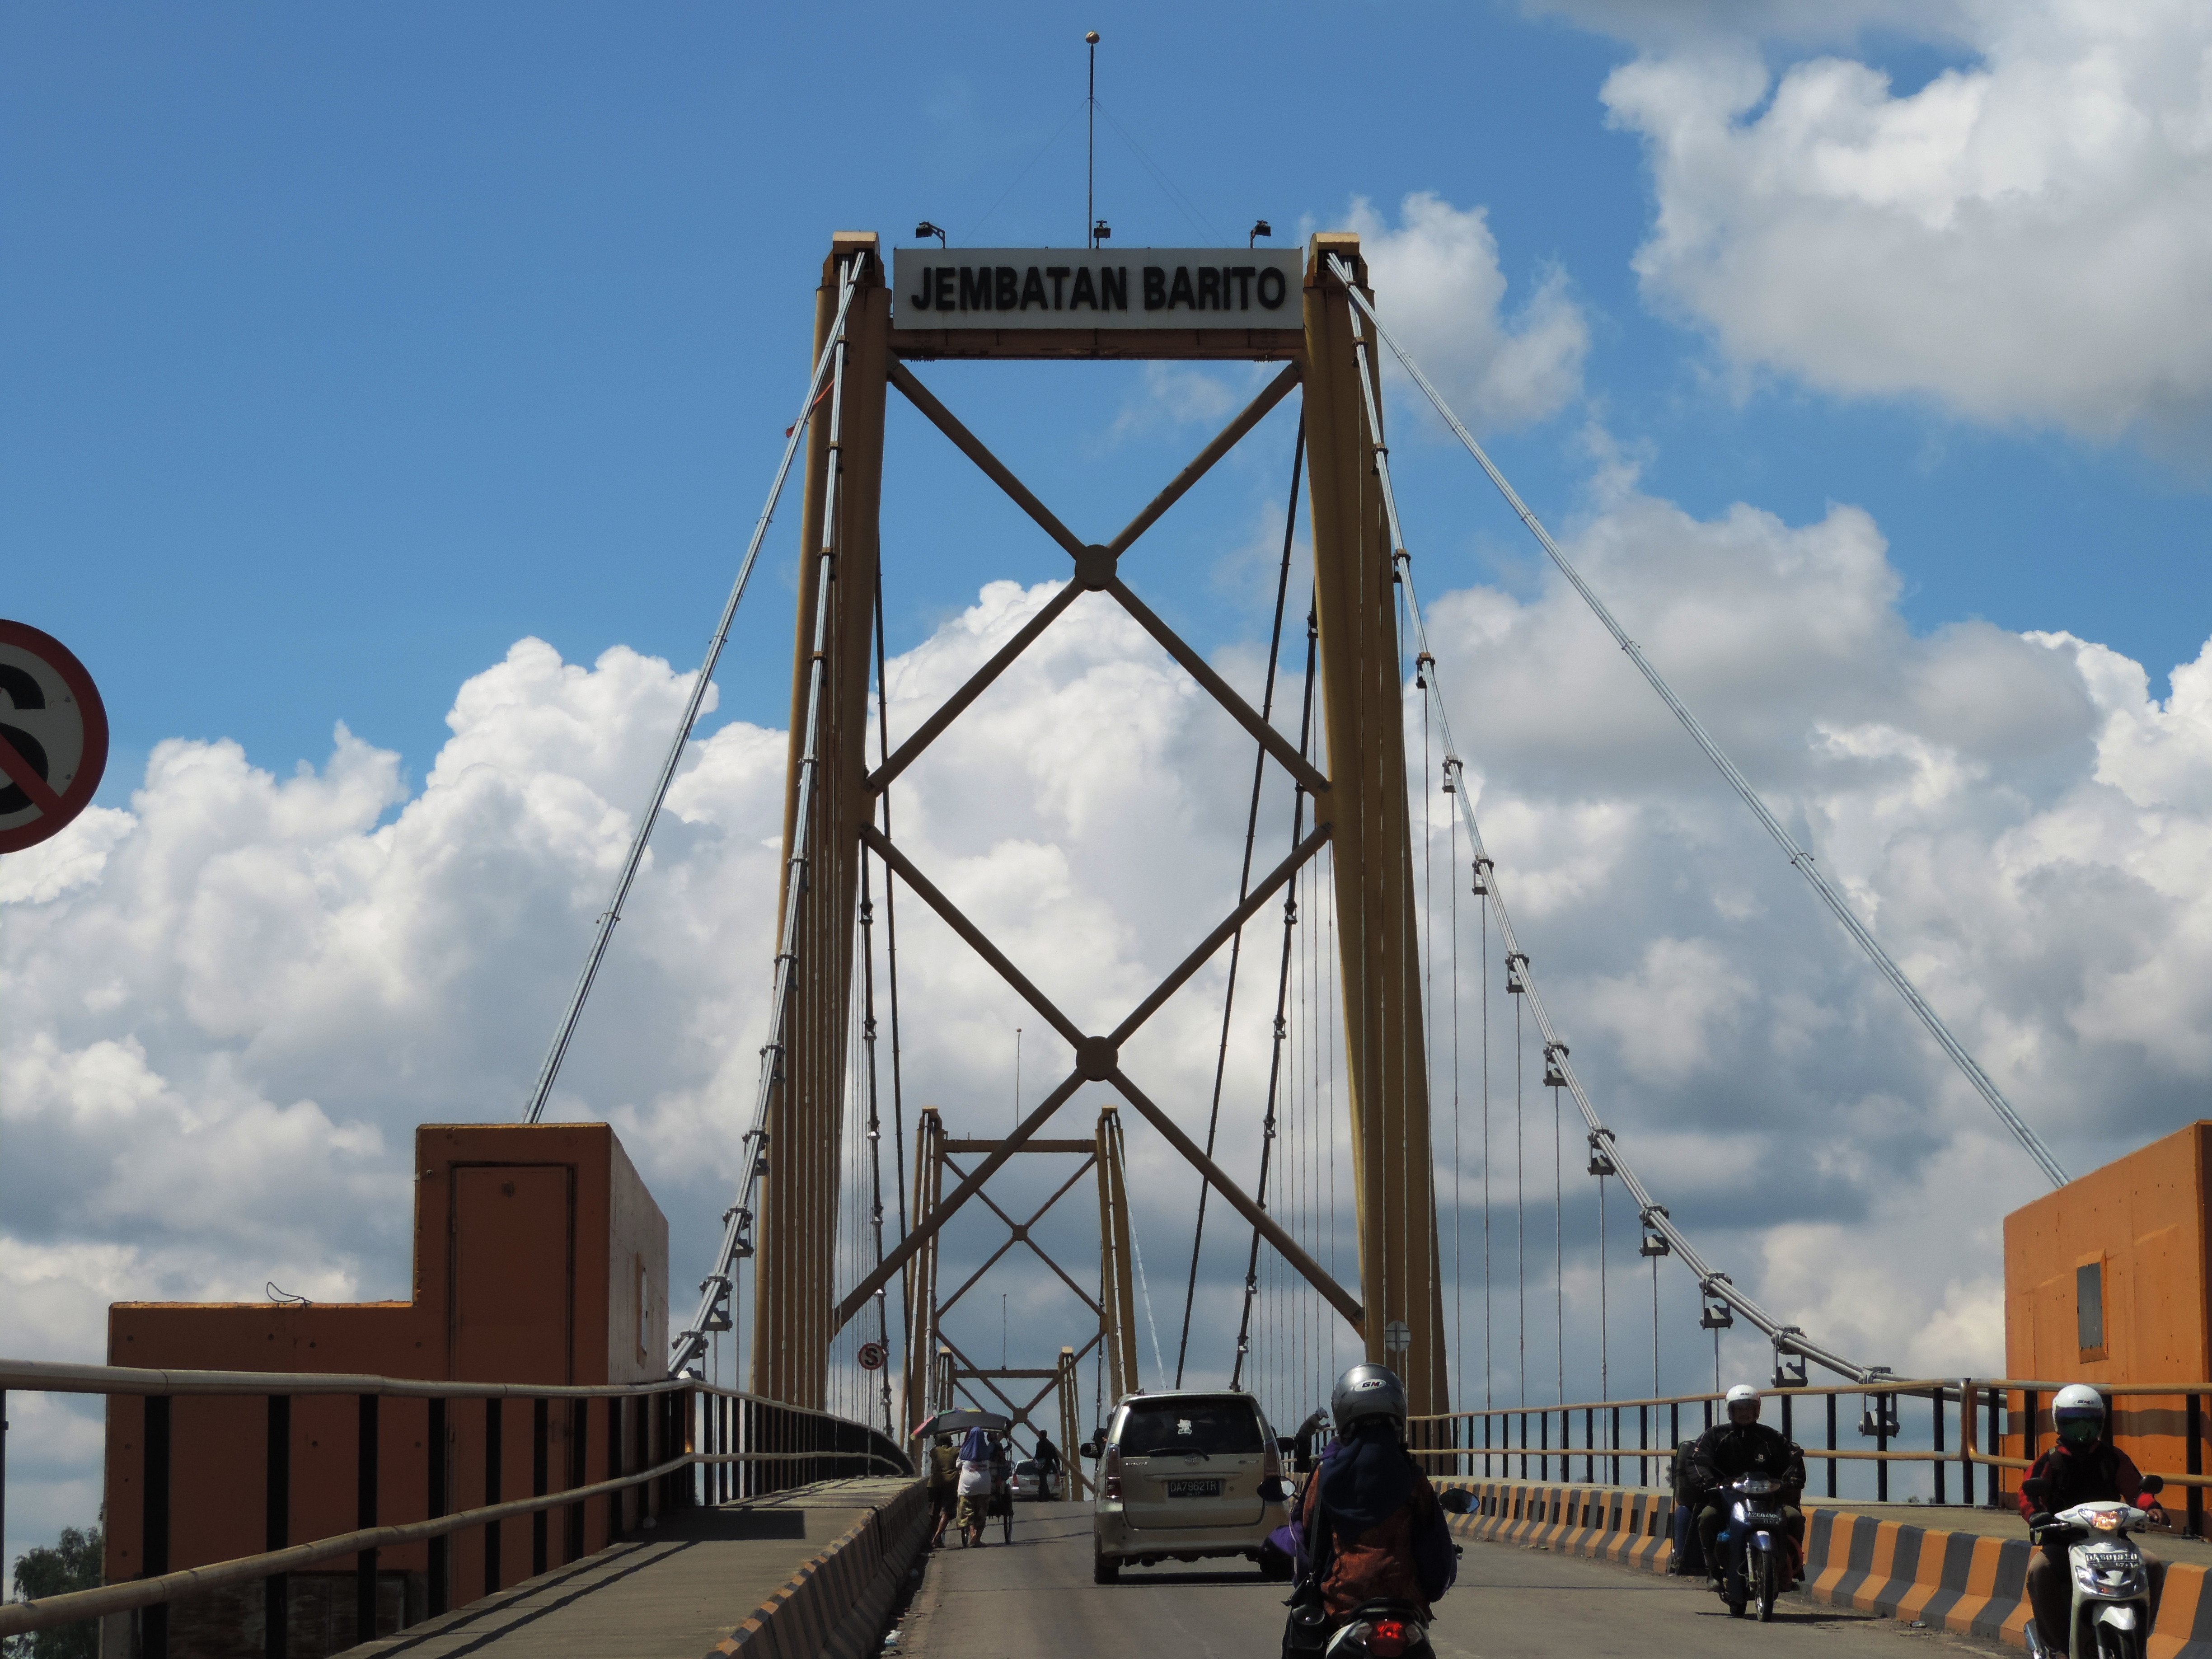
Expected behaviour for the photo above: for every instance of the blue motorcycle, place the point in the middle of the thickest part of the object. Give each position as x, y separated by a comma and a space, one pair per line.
1754, 1546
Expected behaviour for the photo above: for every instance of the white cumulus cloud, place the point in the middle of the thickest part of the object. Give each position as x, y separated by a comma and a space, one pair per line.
2026, 239
1443, 296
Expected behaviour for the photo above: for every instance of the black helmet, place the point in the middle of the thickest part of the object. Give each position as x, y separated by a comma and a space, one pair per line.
1366, 1391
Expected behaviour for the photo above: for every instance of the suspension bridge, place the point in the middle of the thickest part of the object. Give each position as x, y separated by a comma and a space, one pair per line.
538, 1457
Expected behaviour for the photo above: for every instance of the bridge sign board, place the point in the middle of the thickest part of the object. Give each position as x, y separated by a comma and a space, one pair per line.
54, 737
871, 1356
1058, 287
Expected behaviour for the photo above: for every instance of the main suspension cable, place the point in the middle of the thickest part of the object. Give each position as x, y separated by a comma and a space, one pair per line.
1799, 859
737, 1220
604, 933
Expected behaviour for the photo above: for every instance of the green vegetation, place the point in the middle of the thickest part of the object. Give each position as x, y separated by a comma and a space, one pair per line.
73, 1563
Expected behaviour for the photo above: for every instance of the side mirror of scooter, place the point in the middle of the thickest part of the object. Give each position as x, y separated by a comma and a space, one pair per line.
2035, 1489
2154, 1484
1088, 1448
1287, 1444
1274, 1490
1458, 1500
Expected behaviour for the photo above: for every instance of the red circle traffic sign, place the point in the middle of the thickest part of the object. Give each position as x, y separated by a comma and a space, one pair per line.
54, 737
872, 1356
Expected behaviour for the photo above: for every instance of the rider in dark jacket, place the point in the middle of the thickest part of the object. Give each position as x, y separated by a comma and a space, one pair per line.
2084, 1467
1369, 1526
1738, 1446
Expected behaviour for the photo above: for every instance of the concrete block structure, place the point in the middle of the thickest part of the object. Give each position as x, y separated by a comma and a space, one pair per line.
2106, 1282
539, 1257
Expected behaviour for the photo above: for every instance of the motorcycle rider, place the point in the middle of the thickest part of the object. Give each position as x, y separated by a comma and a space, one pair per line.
2083, 1467
1367, 1524
1739, 1445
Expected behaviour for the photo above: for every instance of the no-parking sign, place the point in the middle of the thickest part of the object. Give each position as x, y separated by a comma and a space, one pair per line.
871, 1356
54, 737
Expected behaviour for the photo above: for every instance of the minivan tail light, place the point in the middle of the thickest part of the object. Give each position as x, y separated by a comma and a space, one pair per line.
1109, 1471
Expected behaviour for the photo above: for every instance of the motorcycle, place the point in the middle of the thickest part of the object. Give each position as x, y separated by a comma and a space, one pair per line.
2111, 1612
1754, 1547
1382, 1630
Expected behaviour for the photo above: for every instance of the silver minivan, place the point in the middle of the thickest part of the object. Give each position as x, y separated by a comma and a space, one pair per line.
1184, 1476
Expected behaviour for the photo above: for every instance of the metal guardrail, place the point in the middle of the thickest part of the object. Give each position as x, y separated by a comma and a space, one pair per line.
743, 1443
1986, 1413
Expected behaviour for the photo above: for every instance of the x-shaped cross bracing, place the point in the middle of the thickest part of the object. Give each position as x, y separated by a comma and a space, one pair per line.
1017, 1232
1097, 1059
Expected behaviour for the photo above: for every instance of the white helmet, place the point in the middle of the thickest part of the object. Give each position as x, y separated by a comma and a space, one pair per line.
2077, 1412
1743, 1395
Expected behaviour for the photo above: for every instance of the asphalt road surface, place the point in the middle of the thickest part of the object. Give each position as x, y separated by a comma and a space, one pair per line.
1034, 1598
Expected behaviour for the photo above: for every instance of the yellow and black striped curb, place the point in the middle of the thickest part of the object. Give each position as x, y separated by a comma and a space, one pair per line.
1960, 1582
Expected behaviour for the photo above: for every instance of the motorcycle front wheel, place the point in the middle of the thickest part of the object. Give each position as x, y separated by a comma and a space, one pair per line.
1766, 1587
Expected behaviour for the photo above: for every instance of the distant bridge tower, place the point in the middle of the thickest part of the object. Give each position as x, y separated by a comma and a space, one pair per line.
1220, 304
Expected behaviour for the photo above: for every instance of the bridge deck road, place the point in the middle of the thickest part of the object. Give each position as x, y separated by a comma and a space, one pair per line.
1034, 1598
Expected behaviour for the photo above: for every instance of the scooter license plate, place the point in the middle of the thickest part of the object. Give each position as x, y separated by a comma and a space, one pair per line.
1195, 1488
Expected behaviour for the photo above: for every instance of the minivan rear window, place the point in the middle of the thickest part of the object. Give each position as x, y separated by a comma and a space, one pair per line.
1214, 1426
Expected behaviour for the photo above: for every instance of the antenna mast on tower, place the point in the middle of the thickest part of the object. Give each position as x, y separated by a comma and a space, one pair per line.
1090, 147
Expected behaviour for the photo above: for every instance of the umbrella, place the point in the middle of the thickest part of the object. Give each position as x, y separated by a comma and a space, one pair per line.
959, 1422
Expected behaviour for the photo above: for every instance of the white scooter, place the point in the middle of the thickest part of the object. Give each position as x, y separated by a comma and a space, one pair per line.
2111, 1616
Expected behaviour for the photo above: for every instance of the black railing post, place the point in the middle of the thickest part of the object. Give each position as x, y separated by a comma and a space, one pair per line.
1544, 1442
541, 1429
1938, 1448
2195, 1462
2030, 1428
614, 1465
1674, 1426
579, 1472
492, 1455
364, 1505
1614, 1465
1831, 1443
1881, 1444
1708, 1411
154, 1541
1643, 1445
276, 1529
1787, 1433
440, 1489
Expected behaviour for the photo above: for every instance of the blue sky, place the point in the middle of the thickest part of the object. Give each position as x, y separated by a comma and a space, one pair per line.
347, 345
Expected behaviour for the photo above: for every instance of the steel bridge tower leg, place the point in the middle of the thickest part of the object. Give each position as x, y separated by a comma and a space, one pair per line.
1117, 1325
794, 1293
1355, 595
922, 1336
1070, 1385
